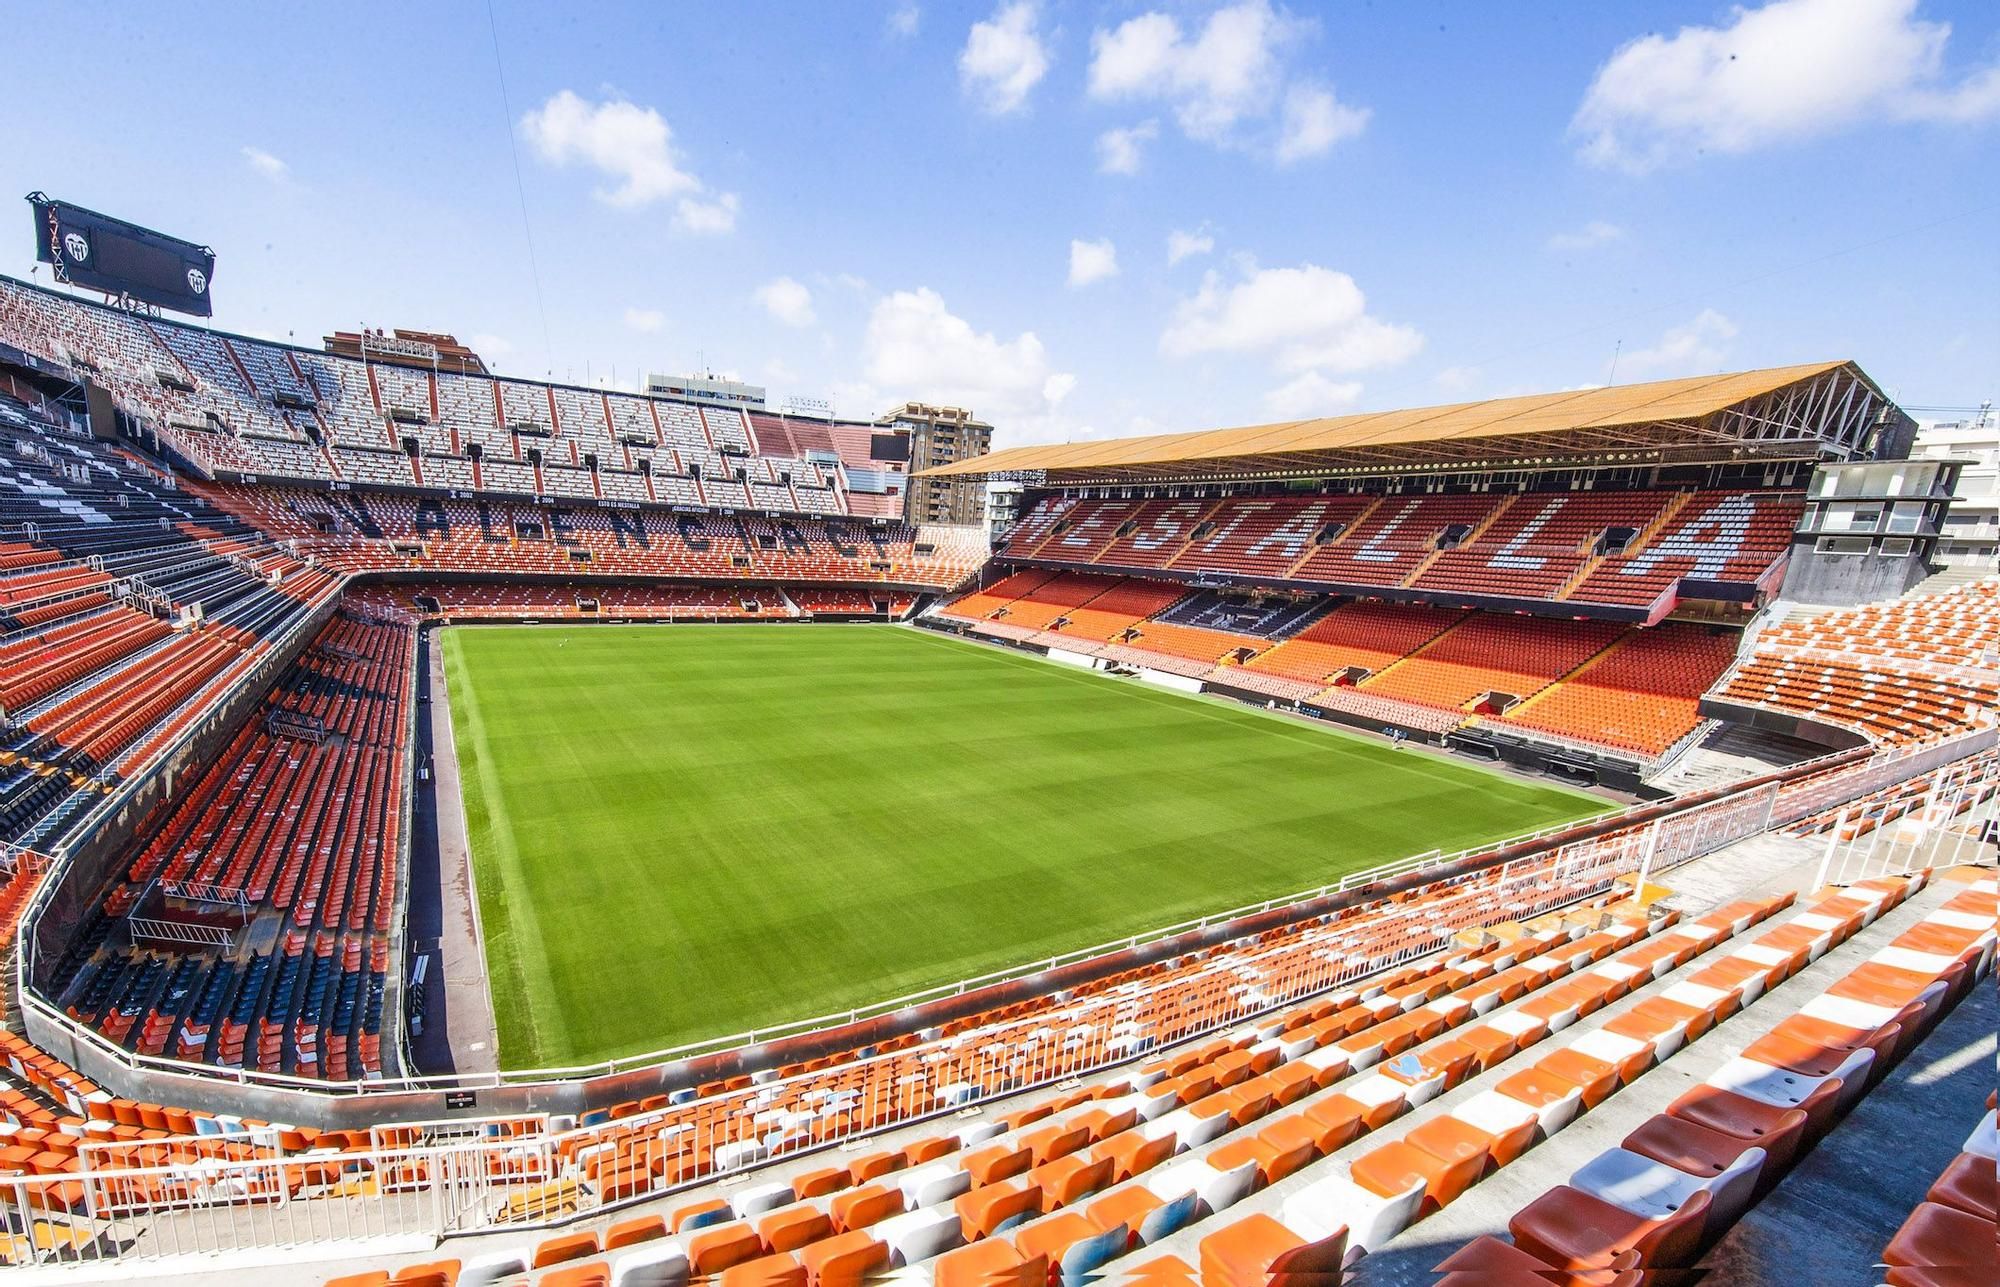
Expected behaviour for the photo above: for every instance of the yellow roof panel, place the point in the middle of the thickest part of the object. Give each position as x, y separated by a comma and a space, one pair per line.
1630, 404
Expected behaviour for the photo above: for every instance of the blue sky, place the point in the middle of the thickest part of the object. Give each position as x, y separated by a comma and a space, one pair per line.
1377, 205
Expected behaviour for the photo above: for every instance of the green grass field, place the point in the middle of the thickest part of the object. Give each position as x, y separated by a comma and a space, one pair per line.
684, 832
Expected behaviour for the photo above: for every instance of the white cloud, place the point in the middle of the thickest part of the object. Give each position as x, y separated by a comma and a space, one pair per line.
915, 347
632, 146
1311, 395
1119, 151
1181, 245
1219, 80
1306, 317
1004, 58
1789, 70
646, 321
265, 164
787, 301
1457, 379
1699, 346
1314, 120
715, 216
903, 20
1092, 261
1589, 236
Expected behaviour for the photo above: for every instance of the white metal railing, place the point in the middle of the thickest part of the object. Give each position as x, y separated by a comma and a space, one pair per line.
1807, 790
253, 1190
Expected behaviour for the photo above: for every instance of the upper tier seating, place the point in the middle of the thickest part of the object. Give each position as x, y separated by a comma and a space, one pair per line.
1900, 671
1549, 547
1541, 541
1734, 537
236, 403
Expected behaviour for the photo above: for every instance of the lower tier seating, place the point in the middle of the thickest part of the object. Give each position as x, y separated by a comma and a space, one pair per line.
297, 822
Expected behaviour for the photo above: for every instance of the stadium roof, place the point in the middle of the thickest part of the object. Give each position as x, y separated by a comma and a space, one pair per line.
1814, 406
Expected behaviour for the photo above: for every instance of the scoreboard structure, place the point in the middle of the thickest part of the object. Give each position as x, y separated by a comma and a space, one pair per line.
124, 260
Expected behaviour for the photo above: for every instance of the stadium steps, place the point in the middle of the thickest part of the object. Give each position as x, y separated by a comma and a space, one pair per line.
1471, 538
1841, 1206
1579, 670
1356, 524
1640, 539
1485, 1210
1207, 1121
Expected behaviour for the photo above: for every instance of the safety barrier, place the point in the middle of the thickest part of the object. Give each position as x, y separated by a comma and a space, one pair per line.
249, 1193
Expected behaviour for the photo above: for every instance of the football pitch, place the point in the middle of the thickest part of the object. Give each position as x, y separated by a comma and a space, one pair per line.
681, 832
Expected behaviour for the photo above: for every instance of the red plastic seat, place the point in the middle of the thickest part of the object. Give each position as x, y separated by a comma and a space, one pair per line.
1572, 1230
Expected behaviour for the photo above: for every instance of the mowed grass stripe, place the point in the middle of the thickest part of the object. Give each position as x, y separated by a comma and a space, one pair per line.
689, 831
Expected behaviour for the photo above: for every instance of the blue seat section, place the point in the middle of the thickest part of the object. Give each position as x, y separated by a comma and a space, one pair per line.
1265, 618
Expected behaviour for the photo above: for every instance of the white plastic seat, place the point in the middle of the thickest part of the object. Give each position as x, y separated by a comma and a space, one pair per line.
915, 1236
1655, 1190
1984, 1138
932, 1183
652, 1264
1371, 1219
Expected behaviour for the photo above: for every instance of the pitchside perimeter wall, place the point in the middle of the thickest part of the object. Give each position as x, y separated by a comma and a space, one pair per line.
1674, 831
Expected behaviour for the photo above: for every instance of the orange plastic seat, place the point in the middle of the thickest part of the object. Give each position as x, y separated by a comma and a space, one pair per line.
1393, 1168
982, 1211
1128, 1206
844, 1260
1967, 1185
1070, 1178
766, 1271
1336, 1121
1051, 1236
1257, 1251
682, 1215
594, 1274
1778, 1131
991, 1262
1594, 1077
997, 1162
870, 1165
1133, 1154
627, 1232
555, 1251
791, 1228
717, 1247
1939, 1237
816, 1184
859, 1208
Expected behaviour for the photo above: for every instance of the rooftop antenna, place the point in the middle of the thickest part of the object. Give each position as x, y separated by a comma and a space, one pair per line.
1616, 349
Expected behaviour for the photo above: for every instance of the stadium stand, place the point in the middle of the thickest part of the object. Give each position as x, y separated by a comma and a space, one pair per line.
293, 834
1273, 1100
1893, 672
1629, 550
512, 600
